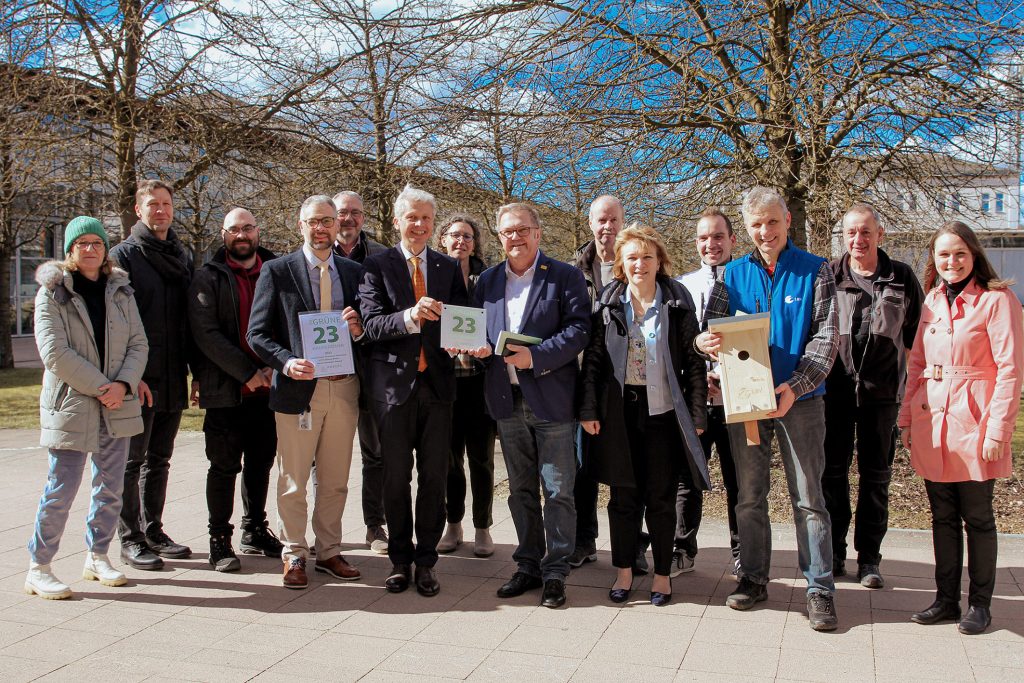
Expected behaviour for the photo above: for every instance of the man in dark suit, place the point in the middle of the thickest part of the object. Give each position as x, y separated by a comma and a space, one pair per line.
412, 383
355, 243
316, 418
531, 394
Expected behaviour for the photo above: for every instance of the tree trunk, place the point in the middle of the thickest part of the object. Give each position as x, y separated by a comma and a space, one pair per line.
6, 313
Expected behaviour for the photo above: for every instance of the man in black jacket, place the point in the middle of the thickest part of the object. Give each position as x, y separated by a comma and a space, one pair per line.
879, 302
235, 389
160, 268
354, 243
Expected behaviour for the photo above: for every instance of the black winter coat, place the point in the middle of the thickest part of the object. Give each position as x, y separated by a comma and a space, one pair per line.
163, 306
602, 379
213, 312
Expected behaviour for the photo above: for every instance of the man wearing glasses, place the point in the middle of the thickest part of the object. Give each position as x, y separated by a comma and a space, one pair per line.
235, 392
531, 393
316, 418
354, 243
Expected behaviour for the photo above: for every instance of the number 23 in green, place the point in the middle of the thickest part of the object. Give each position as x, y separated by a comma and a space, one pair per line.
326, 335
467, 325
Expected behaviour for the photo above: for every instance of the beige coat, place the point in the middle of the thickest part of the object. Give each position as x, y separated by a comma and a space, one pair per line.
69, 412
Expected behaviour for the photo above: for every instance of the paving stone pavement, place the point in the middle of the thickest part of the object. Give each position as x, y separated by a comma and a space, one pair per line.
191, 623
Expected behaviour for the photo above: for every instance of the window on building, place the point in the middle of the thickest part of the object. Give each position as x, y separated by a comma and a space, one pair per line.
999, 202
954, 202
985, 202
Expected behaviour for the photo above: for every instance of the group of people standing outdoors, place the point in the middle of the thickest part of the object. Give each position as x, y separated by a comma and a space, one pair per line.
622, 389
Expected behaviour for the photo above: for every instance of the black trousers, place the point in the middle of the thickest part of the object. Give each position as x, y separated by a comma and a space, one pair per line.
473, 433
957, 506
655, 449
240, 439
584, 495
875, 428
145, 475
690, 498
422, 424
373, 469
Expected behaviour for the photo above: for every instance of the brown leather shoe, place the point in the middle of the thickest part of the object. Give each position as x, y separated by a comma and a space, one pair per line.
295, 573
338, 568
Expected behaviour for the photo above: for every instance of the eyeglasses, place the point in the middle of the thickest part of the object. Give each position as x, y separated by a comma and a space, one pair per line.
522, 231
354, 213
236, 230
464, 236
326, 221
86, 246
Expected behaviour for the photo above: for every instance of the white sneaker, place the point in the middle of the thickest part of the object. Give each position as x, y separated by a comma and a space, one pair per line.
483, 546
681, 563
41, 581
97, 568
452, 538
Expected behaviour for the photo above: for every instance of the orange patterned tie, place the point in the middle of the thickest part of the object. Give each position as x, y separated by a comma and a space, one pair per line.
419, 290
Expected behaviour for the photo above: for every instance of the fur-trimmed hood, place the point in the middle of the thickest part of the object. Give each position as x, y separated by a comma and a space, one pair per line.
52, 275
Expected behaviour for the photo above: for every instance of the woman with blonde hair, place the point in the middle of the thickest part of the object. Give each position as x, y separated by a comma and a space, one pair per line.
94, 349
643, 397
958, 415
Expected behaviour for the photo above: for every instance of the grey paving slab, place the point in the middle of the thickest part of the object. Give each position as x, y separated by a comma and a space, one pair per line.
191, 623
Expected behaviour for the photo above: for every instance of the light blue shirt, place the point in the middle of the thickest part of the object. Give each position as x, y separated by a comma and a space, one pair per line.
659, 393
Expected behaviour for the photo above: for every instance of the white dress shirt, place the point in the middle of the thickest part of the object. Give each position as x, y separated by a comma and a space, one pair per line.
411, 326
517, 292
699, 283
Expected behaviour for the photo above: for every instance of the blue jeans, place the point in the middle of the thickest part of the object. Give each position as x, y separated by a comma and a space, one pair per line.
801, 435
534, 448
65, 476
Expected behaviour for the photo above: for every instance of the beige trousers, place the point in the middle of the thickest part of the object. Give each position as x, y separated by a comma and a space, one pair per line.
335, 412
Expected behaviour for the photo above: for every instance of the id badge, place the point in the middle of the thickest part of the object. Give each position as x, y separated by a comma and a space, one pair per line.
305, 421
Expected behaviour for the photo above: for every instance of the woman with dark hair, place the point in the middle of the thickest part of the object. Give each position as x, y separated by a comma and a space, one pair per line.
94, 349
642, 405
473, 430
962, 398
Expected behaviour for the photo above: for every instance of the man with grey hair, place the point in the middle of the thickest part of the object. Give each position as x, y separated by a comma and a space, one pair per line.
879, 305
594, 259
798, 290
355, 243
316, 417
412, 384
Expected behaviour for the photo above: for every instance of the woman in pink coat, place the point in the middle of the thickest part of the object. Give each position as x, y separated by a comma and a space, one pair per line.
962, 398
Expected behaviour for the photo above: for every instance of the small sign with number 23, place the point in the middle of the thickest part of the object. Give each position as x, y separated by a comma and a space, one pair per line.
463, 327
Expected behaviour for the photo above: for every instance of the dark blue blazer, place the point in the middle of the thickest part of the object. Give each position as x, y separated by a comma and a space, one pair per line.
557, 311
282, 292
393, 353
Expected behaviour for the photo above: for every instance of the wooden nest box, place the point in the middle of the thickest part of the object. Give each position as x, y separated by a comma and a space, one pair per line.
748, 390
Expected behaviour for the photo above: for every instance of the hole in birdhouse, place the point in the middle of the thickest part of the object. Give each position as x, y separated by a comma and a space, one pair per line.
743, 355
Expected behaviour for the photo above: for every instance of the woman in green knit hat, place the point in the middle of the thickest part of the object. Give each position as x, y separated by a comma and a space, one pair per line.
94, 349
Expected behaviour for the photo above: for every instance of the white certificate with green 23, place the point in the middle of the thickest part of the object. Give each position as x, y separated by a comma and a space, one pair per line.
463, 327
326, 342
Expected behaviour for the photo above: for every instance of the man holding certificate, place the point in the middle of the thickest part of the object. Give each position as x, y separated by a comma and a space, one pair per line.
412, 384
538, 315
304, 309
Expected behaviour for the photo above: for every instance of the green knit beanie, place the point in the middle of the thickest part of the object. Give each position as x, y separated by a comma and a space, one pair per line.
84, 225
